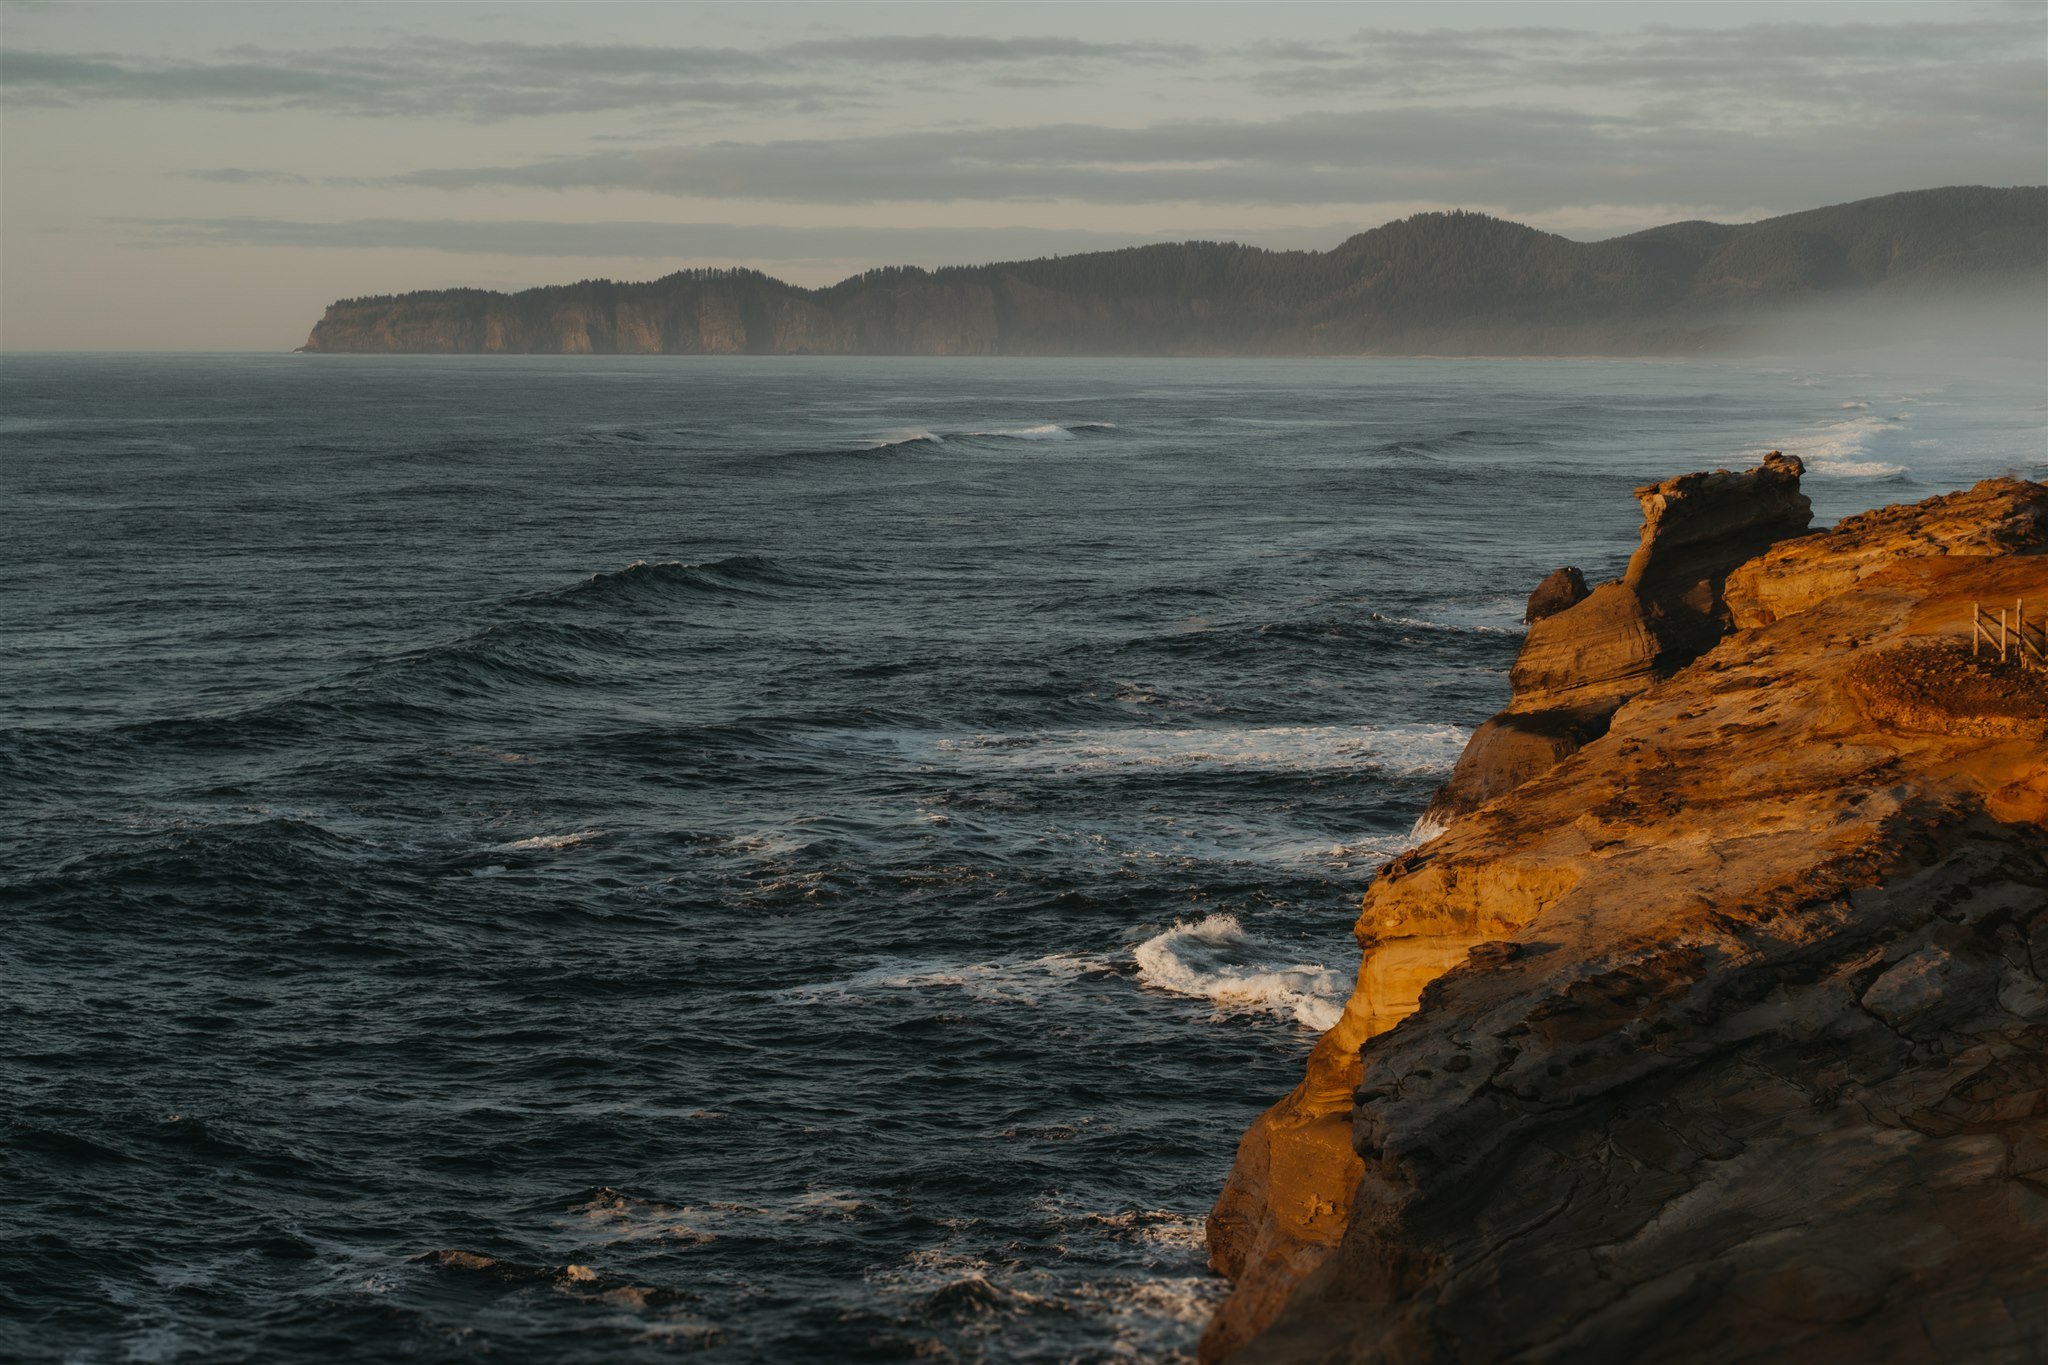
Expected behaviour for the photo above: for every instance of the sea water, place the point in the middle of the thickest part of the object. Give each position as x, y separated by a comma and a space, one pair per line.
837, 849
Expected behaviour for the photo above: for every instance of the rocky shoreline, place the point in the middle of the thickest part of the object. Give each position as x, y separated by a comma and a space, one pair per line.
1722, 996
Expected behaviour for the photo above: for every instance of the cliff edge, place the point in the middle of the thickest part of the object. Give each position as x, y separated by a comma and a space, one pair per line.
1722, 998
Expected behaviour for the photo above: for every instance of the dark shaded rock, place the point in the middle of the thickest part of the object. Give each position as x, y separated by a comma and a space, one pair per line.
1835, 1150
1512, 748
1697, 529
1564, 587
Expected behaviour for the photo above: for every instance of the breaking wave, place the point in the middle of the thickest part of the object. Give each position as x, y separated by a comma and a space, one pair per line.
1017, 981
1857, 469
1417, 749
1217, 961
550, 842
917, 438
1043, 431
912, 437
1842, 450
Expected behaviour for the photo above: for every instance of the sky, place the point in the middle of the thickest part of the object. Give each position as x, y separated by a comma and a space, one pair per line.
211, 176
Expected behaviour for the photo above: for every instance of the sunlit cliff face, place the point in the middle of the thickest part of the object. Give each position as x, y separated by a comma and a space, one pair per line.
1657, 998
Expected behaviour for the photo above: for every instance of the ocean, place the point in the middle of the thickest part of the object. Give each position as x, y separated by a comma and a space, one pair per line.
591, 859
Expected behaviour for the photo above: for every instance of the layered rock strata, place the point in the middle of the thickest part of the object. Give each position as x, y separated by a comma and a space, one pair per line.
1588, 652
1725, 1037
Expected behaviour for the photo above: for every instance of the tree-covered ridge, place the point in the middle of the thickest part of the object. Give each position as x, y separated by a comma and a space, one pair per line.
1456, 281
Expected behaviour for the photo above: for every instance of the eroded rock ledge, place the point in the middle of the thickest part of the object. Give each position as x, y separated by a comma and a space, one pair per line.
1723, 1018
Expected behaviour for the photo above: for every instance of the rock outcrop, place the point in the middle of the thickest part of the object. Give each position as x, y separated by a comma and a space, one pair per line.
1588, 652
1563, 589
1724, 1038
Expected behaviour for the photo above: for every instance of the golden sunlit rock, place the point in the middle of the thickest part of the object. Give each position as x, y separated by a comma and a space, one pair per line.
1723, 1016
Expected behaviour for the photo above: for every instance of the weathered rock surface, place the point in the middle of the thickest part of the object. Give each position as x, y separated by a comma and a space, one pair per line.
1587, 653
1563, 588
1723, 1039
1997, 517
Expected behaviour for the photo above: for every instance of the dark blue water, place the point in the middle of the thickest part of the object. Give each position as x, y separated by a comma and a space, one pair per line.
835, 851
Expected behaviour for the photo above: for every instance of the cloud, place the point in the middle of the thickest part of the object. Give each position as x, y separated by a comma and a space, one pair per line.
476, 81
1799, 60
1525, 159
491, 81
658, 241
932, 49
239, 175
1528, 121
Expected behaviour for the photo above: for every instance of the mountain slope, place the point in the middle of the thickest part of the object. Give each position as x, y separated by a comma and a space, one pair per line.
1455, 282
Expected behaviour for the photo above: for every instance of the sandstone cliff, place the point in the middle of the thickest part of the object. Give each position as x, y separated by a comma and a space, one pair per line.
1723, 1020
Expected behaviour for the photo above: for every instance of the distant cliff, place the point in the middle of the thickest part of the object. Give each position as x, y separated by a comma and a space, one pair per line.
1713, 1026
1436, 283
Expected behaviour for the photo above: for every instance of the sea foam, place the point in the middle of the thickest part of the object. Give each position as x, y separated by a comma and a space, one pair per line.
1417, 749
1044, 431
1216, 960
1840, 449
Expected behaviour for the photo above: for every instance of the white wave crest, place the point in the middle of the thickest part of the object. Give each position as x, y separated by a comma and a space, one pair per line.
1468, 628
1416, 749
1013, 981
1044, 431
1842, 449
1217, 961
1857, 469
904, 437
551, 841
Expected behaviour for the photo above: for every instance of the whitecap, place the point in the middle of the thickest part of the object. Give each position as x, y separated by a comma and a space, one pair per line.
1857, 469
1044, 431
1413, 749
1418, 623
766, 845
616, 1217
1155, 1227
549, 842
1842, 449
1014, 981
1426, 827
826, 1202
907, 436
1216, 960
